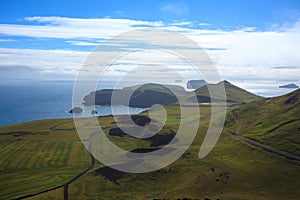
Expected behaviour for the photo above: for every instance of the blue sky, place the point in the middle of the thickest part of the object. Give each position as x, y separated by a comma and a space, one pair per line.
230, 13
255, 40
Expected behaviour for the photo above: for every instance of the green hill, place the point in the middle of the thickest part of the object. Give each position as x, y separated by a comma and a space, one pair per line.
43, 154
143, 96
272, 121
234, 94
39, 155
148, 94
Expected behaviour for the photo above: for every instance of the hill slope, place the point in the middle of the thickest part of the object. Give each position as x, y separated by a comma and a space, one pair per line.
234, 94
143, 96
148, 94
42, 154
272, 121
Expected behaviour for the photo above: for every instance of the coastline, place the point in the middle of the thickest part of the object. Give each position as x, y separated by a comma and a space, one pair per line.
132, 110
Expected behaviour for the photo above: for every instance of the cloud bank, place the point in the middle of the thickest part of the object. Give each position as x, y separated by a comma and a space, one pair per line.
239, 54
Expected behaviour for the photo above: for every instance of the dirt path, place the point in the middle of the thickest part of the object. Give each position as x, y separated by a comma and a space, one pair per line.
255, 143
264, 147
235, 117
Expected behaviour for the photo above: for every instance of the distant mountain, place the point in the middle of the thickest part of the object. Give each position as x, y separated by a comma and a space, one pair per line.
273, 121
195, 84
143, 96
234, 94
292, 85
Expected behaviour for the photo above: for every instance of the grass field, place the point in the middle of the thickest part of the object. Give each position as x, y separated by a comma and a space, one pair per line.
42, 154
232, 171
32, 161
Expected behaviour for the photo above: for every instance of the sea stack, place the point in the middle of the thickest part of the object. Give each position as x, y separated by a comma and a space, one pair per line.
76, 110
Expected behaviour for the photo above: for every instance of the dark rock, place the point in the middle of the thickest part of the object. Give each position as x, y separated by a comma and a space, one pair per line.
110, 173
161, 139
114, 175
144, 150
137, 119
117, 132
94, 112
153, 150
156, 140
76, 110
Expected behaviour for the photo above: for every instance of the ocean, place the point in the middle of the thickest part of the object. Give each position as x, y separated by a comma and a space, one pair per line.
33, 100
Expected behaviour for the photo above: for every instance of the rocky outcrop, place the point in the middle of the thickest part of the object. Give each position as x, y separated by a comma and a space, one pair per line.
195, 84
76, 110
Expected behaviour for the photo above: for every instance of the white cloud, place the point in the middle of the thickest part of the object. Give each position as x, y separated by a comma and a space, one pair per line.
18, 72
245, 53
204, 24
83, 43
178, 8
184, 23
46, 61
7, 40
67, 28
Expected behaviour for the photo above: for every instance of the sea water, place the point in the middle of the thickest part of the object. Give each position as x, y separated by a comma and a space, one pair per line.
33, 100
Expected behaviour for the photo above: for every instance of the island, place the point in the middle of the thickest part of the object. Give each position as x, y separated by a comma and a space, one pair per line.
292, 85
143, 96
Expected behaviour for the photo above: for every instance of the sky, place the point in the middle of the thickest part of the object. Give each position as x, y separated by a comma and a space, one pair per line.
250, 42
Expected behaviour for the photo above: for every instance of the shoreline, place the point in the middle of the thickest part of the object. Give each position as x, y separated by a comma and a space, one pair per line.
71, 117
105, 110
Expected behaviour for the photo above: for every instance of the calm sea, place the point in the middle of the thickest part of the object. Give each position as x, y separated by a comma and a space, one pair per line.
27, 101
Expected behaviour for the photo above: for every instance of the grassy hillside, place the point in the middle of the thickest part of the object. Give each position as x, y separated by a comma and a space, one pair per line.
143, 96
34, 157
41, 154
156, 87
234, 94
272, 121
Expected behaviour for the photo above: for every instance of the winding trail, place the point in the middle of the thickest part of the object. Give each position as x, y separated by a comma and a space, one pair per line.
264, 147
254, 143
257, 144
